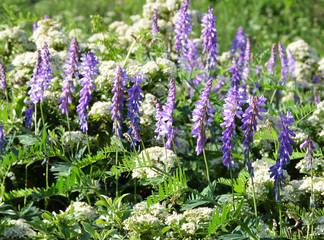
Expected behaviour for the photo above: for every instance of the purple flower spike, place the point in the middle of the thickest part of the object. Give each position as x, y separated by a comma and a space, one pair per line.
135, 95
2, 136
209, 38
271, 65
203, 115
155, 27
246, 69
192, 56
34, 26
284, 63
158, 116
2, 76
285, 151
29, 115
34, 85
309, 151
45, 75
183, 30
167, 119
249, 119
118, 99
237, 74
89, 68
258, 70
291, 64
239, 44
135, 133
70, 68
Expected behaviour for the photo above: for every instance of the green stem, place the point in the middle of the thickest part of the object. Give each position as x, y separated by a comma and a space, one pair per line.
35, 119
129, 52
312, 202
232, 185
69, 128
116, 175
135, 197
44, 132
280, 212
274, 93
175, 152
25, 197
206, 164
88, 143
254, 201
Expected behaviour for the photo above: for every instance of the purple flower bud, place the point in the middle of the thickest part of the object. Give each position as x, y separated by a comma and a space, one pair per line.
33, 84
284, 152
192, 56
209, 38
29, 115
2, 76
135, 133
70, 68
183, 30
2, 136
239, 44
135, 95
249, 119
89, 67
158, 116
46, 17
118, 99
246, 69
155, 27
34, 26
203, 115
284, 63
258, 70
271, 65
309, 151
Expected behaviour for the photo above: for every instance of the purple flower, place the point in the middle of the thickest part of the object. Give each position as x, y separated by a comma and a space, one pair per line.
309, 151
271, 65
246, 69
33, 84
232, 107
118, 99
158, 116
155, 27
284, 63
46, 17
135, 133
209, 38
70, 71
45, 73
34, 26
258, 70
219, 84
284, 152
89, 71
29, 115
202, 116
192, 56
135, 95
239, 44
167, 119
183, 30
249, 119
291, 64
2, 136
2, 76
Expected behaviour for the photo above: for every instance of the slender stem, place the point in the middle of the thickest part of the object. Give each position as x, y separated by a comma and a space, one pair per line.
232, 181
135, 197
25, 198
312, 202
35, 119
69, 128
207, 170
166, 156
274, 93
116, 175
280, 213
254, 201
88, 143
129, 52
175, 152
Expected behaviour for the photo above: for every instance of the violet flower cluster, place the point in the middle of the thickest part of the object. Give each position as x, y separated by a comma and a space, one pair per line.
250, 123
284, 63
192, 56
309, 151
232, 107
203, 115
2, 136
70, 70
2, 76
89, 69
158, 117
271, 65
183, 29
135, 133
239, 44
155, 27
209, 38
118, 99
246, 69
135, 95
34, 26
284, 152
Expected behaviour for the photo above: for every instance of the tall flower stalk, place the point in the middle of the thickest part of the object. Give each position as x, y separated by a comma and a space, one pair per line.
284, 63
203, 115
155, 27
135, 95
2, 76
118, 99
2, 136
209, 33
271, 65
239, 44
89, 67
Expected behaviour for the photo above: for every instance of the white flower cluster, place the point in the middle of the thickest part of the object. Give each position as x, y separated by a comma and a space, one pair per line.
26, 59
101, 109
291, 192
316, 119
96, 42
160, 157
150, 69
107, 72
321, 65
168, 68
262, 180
317, 164
147, 110
49, 31
305, 62
144, 218
75, 137
18, 229
82, 209
319, 229
14, 34
318, 185
57, 61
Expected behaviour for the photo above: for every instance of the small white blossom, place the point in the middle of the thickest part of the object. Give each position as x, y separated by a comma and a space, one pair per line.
101, 109
18, 229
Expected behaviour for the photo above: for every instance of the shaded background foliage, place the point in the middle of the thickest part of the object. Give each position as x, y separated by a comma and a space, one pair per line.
266, 21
